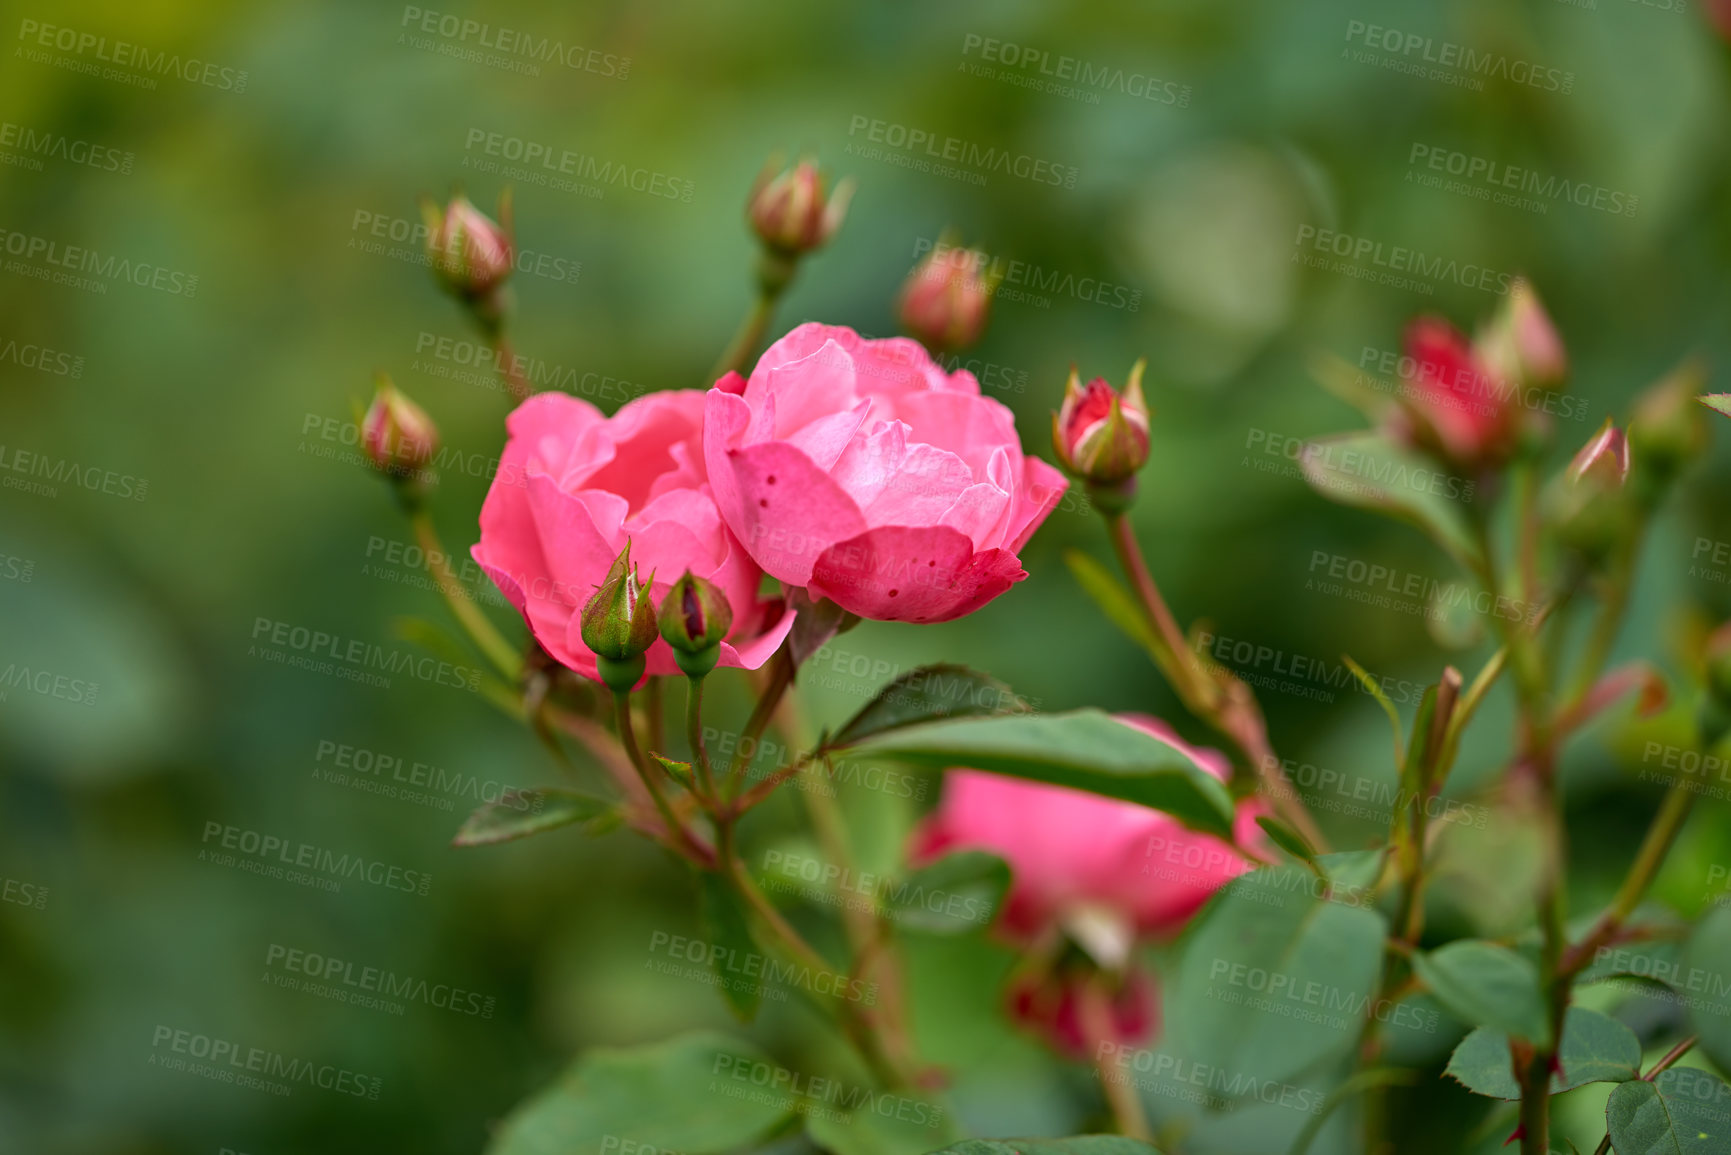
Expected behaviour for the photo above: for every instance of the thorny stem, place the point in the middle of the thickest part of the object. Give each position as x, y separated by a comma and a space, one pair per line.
1232, 710
468, 614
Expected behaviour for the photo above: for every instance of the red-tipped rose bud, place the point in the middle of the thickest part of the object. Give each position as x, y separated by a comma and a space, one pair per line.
1460, 408
396, 434
789, 210
471, 255
695, 617
1521, 345
947, 298
618, 623
1099, 434
1603, 462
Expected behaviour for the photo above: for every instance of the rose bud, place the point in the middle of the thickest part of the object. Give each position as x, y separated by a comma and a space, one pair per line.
790, 212
1099, 434
1460, 407
695, 617
470, 254
1603, 462
1522, 345
1667, 430
397, 436
618, 624
1587, 504
946, 298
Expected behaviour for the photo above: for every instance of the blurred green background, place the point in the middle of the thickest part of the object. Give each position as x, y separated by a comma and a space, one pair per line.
224, 402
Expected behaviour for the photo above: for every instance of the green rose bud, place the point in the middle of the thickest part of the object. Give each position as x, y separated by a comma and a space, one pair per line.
619, 623
695, 617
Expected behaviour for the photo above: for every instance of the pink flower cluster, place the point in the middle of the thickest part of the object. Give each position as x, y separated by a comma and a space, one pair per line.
857, 469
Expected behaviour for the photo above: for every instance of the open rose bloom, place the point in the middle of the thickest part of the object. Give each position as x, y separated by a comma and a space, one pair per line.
1103, 871
573, 485
862, 471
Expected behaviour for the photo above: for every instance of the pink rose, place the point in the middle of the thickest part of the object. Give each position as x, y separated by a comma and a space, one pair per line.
1071, 851
573, 485
862, 471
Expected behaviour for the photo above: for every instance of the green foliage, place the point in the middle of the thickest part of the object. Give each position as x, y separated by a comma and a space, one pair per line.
520, 813
1682, 1112
1594, 1049
960, 892
1487, 985
1275, 980
677, 1095
1082, 749
727, 926
927, 694
1370, 470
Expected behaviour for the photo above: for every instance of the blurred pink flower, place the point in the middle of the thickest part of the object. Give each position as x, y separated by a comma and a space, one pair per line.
573, 485
1104, 872
862, 471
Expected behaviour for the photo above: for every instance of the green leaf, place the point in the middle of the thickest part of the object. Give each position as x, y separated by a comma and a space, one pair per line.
1079, 1145
1486, 985
1374, 689
1114, 600
1704, 976
1718, 402
927, 695
1275, 979
727, 927
520, 813
958, 893
1596, 1049
1286, 838
1083, 749
891, 1124
1682, 1112
1370, 471
680, 1095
